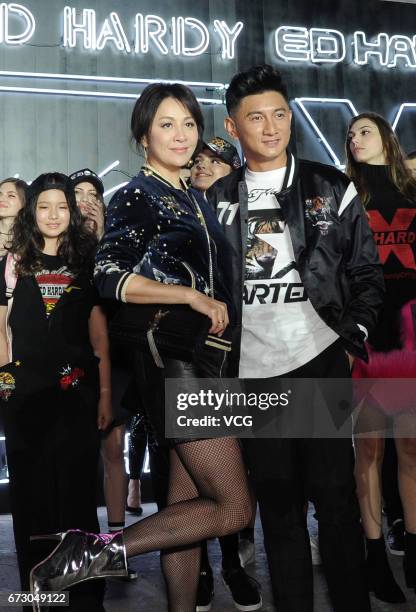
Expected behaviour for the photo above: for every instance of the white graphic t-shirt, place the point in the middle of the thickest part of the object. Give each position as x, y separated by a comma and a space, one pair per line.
281, 329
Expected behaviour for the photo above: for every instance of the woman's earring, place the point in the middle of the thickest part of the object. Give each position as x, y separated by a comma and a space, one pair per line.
145, 154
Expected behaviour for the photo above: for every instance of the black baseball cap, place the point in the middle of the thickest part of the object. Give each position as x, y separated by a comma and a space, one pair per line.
50, 180
89, 176
222, 149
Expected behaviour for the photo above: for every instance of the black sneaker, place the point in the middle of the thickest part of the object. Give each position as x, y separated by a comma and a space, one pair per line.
395, 538
205, 593
245, 591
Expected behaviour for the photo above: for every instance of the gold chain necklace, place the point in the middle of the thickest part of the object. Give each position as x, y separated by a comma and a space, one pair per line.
148, 170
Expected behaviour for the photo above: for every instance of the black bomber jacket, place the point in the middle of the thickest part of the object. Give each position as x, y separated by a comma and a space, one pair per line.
154, 230
333, 245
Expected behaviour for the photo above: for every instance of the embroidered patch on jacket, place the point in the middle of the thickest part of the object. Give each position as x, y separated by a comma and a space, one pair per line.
71, 377
318, 212
7, 385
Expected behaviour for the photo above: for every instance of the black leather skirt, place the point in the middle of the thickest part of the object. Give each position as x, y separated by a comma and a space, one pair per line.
150, 392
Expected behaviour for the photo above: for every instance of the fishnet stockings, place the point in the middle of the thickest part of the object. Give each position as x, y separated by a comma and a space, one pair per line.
208, 497
181, 565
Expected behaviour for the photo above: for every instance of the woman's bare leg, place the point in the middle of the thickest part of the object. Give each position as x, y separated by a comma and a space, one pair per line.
369, 452
115, 478
405, 429
368, 462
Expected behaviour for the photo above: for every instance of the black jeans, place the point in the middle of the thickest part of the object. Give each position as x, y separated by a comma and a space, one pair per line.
285, 472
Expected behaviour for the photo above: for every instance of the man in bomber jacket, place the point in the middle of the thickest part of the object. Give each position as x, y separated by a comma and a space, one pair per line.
308, 284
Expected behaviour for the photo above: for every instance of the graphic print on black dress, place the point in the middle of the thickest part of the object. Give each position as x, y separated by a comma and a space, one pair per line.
52, 284
396, 240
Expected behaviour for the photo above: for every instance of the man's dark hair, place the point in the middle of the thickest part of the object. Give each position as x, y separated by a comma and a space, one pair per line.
152, 96
411, 155
256, 80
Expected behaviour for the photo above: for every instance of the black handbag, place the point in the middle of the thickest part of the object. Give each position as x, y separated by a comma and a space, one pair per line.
174, 331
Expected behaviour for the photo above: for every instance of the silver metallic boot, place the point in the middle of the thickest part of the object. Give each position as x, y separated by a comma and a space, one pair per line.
79, 556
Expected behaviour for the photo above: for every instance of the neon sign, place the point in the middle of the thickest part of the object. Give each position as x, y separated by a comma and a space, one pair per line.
320, 45
190, 37
26, 20
181, 36
228, 37
316, 45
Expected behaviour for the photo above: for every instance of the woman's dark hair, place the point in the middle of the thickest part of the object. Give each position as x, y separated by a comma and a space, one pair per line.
256, 80
77, 244
400, 174
21, 187
150, 99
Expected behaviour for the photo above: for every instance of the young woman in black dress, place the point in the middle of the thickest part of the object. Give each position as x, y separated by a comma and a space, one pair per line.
53, 326
387, 189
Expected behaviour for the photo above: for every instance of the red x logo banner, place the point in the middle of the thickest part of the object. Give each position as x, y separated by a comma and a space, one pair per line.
395, 237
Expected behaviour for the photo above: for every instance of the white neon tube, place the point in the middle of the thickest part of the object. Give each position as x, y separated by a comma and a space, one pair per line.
109, 168
400, 112
113, 189
300, 103
88, 93
106, 79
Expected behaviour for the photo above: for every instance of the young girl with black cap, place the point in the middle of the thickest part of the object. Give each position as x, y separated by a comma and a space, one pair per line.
50, 321
89, 193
